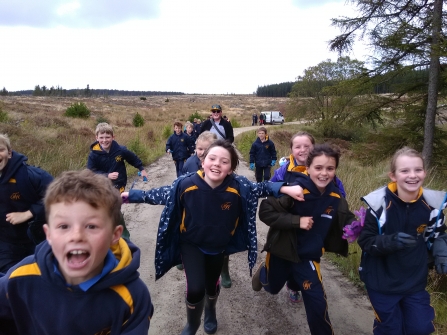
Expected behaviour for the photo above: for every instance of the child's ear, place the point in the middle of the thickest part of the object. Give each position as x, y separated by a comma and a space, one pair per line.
117, 232
392, 176
46, 230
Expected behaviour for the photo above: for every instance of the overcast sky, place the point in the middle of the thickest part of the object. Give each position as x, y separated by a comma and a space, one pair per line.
190, 46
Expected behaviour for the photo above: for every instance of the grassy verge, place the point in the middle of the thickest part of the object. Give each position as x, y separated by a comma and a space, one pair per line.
358, 181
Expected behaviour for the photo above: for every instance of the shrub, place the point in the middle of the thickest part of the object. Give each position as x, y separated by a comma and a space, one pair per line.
138, 120
3, 116
139, 149
196, 115
101, 119
79, 110
167, 131
142, 98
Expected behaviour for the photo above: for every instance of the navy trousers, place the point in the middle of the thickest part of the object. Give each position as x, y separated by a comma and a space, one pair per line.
308, 277
262, 171
402, 314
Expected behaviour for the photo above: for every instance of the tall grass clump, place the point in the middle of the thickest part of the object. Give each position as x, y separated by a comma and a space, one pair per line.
78, 110
193, 116
167, 131
235, 123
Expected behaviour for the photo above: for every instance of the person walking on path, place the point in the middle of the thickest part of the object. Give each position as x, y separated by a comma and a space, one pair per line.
262, 155
218, 125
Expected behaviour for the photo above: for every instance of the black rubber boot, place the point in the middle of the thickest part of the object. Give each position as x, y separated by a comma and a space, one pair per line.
225, 273
210, 320
193, 315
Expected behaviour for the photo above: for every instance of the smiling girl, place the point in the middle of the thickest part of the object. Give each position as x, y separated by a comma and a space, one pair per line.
208, 214
404, 225
300, 231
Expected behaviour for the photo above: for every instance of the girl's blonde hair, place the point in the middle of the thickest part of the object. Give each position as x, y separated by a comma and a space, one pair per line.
302, 133
405, 151
207, 136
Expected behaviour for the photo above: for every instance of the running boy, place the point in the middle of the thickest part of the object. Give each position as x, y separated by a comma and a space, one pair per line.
178, 145
22, 214
83, 279
107, 157
403, 224
209, 214
262, 155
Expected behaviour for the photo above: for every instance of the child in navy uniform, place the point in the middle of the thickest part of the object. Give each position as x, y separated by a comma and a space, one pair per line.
194, 163
107, 157
403, 225
210, 214
262, 155
178, 145
22, 188
300, 231
83, 279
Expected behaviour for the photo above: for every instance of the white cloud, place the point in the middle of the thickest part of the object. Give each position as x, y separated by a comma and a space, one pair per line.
195, 46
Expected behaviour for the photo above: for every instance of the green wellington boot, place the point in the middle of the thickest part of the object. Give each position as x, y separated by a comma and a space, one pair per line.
225, 274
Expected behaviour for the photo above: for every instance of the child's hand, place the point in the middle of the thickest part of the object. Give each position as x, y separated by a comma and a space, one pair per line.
252, 166
273, 162
125, 197
168, 151
113, 175
18, 217
143, 173
306, 222
296, 192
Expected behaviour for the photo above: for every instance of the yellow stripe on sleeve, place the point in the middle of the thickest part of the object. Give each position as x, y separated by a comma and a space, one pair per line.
26, 270
124, 293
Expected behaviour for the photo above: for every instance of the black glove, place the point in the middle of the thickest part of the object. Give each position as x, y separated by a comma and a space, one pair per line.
440, 254
404, 240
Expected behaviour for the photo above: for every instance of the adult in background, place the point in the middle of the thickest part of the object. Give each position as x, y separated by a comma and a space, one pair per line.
22, 213
218, 125
223, 130
254, 119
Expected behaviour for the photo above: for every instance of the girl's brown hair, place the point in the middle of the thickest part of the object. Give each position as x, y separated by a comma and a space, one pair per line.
302, 133
229, 147
324, 149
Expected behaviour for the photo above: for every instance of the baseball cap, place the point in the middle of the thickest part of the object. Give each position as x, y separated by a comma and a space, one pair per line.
216, 108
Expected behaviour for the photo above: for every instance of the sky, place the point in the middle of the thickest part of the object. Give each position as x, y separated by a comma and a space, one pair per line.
189, 46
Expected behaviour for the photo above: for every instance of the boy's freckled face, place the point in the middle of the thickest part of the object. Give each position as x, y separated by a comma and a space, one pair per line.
178, 130
5, 155
80, 237
261, 135
105, 140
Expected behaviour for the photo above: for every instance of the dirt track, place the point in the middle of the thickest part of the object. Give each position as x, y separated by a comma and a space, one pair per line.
240, 310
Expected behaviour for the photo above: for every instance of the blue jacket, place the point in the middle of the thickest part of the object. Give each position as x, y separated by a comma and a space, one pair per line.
383, 267
102, 162
40, 302
262, 153
286, 171
22, 188
179, 145
192, 164
167, 253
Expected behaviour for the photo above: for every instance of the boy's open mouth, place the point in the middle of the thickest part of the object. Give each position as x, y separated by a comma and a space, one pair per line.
77, 256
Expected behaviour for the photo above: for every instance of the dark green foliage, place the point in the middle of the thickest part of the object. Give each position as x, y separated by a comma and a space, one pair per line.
79, 110
101, 119
167, 100
3, 116
193, 116
4, 92
138, 120
275, 90
167, 131
142, 98
139, 149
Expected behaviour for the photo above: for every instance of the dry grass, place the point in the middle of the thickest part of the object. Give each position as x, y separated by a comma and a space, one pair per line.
38, 129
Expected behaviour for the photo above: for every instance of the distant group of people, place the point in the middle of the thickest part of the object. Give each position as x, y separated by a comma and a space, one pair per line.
88, 272
254, 121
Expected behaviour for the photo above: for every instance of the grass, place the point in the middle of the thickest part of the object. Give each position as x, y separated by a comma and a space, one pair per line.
358, 181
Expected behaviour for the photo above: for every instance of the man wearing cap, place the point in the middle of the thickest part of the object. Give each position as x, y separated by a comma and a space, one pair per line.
218, 125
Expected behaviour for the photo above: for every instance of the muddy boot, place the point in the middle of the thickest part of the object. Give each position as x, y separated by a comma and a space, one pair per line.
179, 267
225, 274
210, 321
193, 315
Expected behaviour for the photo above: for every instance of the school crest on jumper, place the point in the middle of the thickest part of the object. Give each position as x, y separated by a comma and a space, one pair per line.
328, 212
307, 285
226, 206
119, 158
15, 196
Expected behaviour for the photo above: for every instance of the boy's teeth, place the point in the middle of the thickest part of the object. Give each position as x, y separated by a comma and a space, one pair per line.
77, 252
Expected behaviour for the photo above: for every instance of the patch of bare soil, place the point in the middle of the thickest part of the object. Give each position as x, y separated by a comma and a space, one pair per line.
240, 310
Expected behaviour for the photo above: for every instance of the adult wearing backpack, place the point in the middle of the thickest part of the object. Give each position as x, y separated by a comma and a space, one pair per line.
218, 125
22, 213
